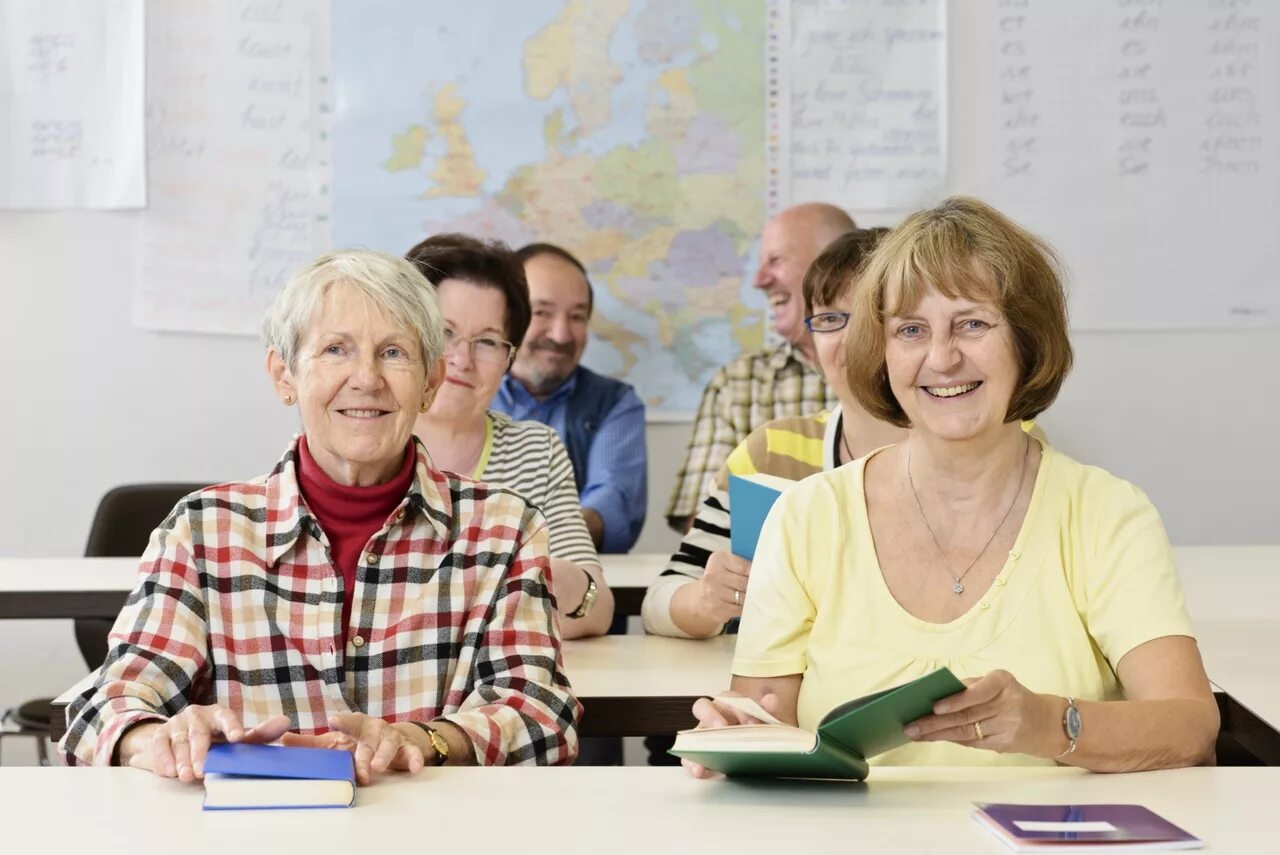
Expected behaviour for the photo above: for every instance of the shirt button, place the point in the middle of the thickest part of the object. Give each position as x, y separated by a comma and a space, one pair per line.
1000, 583
357, 641
984, 604
370, 559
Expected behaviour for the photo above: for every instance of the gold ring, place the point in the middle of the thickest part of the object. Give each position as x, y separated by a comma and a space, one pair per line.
737, 598
176, 738
977, 728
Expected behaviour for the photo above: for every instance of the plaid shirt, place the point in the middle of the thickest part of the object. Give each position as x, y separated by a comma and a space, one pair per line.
746, 393
238, 603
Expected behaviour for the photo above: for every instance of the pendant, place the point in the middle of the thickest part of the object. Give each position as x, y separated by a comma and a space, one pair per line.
957, 587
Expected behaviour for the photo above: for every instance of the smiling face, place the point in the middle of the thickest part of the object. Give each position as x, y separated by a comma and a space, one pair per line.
470, 311
360, 382
786, 251
557, 333
951, 365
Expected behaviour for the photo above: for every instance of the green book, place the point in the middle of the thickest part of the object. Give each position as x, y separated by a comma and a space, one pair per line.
846, 736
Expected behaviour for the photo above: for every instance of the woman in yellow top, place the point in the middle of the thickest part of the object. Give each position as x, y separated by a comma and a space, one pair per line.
1047, 585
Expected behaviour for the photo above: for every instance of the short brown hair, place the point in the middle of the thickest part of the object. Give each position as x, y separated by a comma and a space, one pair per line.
489, 264
832, 272
963, 248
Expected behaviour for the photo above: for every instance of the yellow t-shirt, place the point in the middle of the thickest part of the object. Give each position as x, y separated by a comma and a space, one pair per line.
1090, 577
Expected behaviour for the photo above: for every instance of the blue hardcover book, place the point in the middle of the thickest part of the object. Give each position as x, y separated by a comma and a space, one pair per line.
750, 499
239, 776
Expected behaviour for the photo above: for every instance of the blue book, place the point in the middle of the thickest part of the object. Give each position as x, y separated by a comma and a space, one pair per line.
240, 776
750, 499
1082, 828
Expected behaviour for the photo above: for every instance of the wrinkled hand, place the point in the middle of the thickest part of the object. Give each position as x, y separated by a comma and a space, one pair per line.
1012, 718
725, 576
377, 745
177, 748
709, 713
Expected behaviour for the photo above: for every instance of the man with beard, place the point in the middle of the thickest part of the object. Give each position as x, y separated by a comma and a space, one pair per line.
599, 419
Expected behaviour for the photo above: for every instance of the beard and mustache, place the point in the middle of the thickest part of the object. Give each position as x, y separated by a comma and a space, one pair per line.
544, 380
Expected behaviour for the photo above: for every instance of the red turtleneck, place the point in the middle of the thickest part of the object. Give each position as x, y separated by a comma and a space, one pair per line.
350, 516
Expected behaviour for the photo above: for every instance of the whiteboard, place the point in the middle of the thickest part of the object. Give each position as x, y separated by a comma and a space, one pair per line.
1141, 139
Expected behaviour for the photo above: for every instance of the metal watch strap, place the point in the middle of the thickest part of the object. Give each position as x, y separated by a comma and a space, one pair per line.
588, 598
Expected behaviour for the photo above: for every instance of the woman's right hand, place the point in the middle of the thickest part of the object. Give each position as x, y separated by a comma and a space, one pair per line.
176, 748
723, 587
710, 713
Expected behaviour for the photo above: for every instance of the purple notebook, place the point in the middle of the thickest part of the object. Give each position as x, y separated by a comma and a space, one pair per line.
1082, 828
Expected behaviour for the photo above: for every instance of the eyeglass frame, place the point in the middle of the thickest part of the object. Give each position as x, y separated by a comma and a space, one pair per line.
808, 322
452, 340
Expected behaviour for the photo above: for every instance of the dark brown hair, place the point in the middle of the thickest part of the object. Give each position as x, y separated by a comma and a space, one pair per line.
963, 248
489, 264
533, 250
831, 275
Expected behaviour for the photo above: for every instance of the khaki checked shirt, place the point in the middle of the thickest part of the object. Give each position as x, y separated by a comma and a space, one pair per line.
238, 603
743, 395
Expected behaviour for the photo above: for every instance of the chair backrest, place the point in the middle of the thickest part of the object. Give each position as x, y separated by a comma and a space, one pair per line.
121, 527
128, 514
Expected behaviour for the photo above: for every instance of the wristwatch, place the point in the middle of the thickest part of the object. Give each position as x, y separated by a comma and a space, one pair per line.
438, 743
1071, 725
588, 599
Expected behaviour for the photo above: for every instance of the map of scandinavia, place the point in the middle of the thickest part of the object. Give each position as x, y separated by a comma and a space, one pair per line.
631, 132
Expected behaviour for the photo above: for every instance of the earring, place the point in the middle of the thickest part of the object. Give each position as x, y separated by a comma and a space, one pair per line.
288, 400
426, 405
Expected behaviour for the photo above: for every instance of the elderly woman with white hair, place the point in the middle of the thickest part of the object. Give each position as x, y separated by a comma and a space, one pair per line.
355, 596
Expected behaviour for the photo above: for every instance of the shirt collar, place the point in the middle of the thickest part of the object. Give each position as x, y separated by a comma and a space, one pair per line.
288, 516
512, 391
784, 353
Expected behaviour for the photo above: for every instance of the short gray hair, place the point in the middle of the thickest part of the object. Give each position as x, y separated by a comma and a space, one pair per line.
390, 282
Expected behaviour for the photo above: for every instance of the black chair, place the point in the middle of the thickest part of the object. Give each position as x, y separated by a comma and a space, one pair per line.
125, 518
121, 527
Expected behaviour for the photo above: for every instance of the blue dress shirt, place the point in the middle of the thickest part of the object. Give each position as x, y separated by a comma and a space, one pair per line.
615, 484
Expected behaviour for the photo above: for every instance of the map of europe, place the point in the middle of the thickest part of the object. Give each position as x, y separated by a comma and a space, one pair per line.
631, 132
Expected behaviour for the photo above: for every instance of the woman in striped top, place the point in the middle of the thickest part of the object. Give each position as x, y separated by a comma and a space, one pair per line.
484, 299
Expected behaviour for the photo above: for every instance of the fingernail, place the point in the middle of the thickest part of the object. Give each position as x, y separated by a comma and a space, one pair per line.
199, 767
184, 770
940, 709
912, 731
236, 734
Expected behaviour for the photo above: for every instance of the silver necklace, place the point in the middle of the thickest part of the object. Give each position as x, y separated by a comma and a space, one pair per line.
958, 587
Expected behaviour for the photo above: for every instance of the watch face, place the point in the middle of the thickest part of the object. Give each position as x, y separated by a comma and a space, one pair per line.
1072, 723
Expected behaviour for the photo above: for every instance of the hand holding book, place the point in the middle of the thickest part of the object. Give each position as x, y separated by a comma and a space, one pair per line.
176, 747
730, 709
997, 713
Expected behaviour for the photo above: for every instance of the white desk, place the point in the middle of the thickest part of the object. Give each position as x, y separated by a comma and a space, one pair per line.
629, 685
97, 587
619, 809
1240, 659
1222, 583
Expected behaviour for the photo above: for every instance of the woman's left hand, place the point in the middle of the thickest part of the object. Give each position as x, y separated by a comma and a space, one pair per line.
998, 713
377, 745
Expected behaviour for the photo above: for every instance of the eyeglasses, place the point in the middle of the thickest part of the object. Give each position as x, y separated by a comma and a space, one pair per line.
827, 322
484, 348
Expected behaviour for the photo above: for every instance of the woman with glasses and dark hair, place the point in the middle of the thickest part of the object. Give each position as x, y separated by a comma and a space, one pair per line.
703, 586
483, 296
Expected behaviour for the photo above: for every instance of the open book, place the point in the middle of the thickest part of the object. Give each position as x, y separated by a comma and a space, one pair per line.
845, 738
245, 776
750, 499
